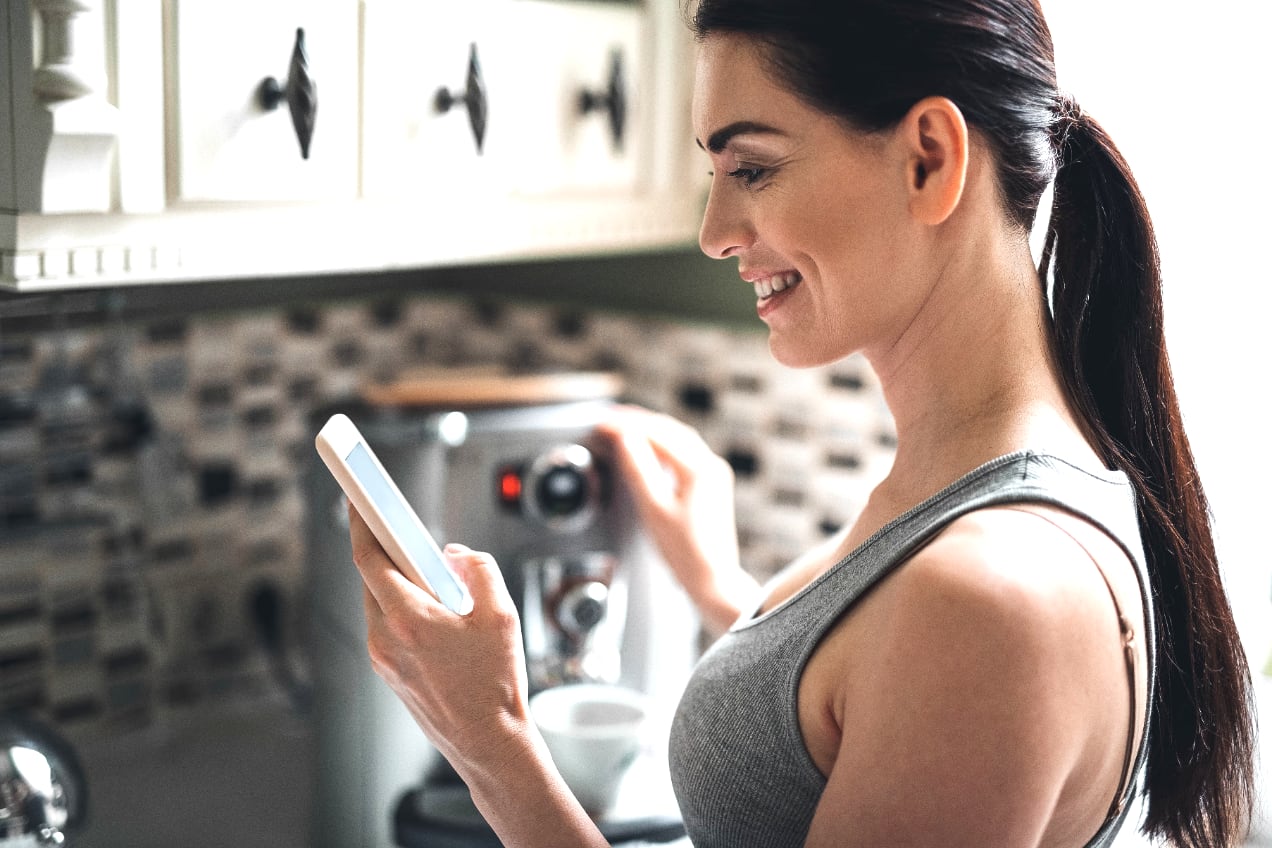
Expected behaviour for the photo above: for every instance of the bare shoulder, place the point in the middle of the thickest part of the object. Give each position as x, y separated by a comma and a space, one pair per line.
980, 681
1027, 583
1024, 561
1015, 584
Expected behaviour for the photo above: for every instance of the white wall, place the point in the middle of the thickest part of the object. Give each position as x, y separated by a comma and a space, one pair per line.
1182, 92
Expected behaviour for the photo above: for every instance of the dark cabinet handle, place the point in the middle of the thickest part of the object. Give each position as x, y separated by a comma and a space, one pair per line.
473, 98
300, 91
612, 99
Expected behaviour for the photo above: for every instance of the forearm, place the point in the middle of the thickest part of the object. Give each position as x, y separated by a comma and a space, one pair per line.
522, 796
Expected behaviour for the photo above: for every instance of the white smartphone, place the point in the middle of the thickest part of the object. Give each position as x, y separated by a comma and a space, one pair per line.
380, 503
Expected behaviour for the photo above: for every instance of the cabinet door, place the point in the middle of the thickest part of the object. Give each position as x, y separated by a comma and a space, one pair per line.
435, 99
582, 78
227, 146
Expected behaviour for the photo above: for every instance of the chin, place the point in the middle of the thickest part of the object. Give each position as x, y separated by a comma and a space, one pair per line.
796, 355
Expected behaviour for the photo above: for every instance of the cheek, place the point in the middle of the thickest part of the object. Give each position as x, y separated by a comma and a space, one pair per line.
845, 240
844, 229
835, 211
860, 260
866, 229
805, 225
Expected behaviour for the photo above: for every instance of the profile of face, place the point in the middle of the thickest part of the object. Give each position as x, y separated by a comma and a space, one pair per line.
819, 215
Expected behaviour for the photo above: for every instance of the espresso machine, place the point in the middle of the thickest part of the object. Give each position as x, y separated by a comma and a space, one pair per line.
530, 483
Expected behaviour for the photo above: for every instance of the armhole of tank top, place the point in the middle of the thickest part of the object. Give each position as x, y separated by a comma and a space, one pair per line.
1127, 631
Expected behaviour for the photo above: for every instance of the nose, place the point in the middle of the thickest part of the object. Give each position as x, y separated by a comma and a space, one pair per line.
725, 229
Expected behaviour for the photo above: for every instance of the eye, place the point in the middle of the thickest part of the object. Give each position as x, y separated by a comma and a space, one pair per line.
748, 176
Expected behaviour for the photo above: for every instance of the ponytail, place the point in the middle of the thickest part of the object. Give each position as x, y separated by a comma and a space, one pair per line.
1107, 308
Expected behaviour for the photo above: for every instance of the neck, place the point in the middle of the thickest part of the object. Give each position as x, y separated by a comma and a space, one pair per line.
973, 375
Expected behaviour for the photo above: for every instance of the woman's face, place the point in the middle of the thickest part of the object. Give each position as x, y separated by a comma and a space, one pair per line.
816, 214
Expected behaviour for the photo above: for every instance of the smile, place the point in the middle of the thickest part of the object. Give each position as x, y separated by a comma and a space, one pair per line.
769, 286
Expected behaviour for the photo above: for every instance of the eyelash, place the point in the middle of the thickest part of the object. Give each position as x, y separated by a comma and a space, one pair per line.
748, 176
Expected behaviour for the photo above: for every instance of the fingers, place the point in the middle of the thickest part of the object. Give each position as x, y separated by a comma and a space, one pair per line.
387, 584
662, 457
389, 590
673, 441
640, 463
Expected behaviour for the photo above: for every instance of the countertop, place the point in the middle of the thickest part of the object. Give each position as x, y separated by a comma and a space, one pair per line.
241, 776
232, 777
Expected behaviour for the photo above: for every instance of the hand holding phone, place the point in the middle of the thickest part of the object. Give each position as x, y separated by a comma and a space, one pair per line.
382, 505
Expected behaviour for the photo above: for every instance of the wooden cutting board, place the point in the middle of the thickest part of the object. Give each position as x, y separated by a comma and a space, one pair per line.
468, 387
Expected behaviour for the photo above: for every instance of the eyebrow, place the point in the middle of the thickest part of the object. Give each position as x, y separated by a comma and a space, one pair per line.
720, 139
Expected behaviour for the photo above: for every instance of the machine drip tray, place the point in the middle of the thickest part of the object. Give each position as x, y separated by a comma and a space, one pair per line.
445, 817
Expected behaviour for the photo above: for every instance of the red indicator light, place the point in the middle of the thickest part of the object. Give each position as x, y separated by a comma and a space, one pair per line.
510, 487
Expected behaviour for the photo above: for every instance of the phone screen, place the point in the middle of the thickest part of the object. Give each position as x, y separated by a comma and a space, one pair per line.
401, 520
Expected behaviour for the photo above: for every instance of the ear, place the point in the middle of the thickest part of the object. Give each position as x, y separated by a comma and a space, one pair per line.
935, 136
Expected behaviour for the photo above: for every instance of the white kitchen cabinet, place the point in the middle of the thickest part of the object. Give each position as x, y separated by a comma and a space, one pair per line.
437, 78
558, 113
581, 99
190, 178
229, 141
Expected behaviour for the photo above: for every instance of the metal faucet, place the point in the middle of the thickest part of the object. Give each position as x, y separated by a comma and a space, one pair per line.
41, 785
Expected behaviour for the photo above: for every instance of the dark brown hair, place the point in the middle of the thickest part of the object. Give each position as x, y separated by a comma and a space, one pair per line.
868, 62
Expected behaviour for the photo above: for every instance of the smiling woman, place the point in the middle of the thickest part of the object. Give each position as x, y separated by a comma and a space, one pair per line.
1024, 630
900, 79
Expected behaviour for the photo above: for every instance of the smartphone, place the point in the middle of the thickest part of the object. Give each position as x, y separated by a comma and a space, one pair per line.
380, 503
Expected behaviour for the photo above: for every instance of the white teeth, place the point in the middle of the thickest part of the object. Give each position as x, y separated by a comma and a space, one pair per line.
769, 286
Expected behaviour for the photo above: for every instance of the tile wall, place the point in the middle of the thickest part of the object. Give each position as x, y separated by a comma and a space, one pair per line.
151, 510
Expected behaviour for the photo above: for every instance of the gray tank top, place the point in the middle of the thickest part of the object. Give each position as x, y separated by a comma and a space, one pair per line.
740, 770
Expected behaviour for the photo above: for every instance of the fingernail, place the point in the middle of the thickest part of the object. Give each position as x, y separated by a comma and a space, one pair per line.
454, 548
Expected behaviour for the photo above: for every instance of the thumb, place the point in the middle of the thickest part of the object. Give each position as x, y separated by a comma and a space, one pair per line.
481, 574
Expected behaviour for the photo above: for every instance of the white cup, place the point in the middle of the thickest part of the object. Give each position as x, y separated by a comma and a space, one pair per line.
594, 733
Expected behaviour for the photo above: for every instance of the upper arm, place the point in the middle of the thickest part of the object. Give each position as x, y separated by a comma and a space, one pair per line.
957, 725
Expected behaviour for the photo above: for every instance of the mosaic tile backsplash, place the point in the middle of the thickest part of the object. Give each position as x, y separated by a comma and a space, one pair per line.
151, 506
